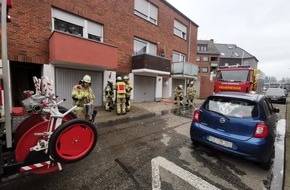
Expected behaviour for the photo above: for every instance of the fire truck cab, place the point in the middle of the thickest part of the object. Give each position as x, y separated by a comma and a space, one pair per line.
238, 78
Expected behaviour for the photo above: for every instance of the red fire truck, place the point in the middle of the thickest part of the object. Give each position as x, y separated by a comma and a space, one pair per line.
239, 78
41, 136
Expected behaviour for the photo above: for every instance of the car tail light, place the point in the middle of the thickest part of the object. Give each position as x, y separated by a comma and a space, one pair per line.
196, 115
261, 130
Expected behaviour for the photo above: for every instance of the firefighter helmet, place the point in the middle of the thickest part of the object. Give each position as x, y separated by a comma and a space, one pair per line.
126, 78
191, 82
87, 79
180, 86
119, 78
110, 81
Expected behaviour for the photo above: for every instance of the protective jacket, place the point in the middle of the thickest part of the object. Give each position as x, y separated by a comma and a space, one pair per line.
191, 90
109, 91
178, 92
120, 89
129, 88
81, 95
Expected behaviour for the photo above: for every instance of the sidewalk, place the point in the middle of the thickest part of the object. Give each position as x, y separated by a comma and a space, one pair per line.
138, 111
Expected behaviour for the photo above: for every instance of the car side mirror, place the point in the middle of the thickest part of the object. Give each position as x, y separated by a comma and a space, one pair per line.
276, 110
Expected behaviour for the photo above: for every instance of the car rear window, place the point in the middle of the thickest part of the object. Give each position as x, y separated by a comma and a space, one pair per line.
275, 91
232, 107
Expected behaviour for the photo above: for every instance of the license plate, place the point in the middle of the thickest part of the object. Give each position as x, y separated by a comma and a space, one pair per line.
220, 142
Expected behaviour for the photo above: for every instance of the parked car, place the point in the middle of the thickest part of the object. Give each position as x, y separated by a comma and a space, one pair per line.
286, 92
239, 123
276, 95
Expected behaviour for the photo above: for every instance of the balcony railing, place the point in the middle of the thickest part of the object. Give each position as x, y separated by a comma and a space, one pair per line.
184, 68
147, 61
68, 49
214, 64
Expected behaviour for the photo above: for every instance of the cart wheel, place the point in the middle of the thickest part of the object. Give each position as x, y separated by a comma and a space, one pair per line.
72, 141
28, 140
26, 125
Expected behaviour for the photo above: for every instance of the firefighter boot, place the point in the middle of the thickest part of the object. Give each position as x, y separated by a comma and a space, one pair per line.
175, 100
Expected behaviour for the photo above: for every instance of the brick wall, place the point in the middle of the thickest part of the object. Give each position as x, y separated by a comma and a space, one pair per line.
206, 87
30, 28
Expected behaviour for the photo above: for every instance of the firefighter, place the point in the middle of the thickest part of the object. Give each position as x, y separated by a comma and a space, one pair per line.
82, 95
191, 90
120, 96
178, 92
109, 95
129, 88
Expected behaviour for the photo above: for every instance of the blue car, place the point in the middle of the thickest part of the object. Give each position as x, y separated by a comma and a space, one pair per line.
239, 123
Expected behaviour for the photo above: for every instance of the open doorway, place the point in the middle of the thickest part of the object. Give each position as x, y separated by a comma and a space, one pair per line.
21, 79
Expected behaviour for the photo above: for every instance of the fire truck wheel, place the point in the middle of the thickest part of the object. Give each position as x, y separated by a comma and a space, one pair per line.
29, 140
72, 141
26, 125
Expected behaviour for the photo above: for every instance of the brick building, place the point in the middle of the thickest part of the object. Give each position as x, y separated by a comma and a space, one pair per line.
150, 41
207, 59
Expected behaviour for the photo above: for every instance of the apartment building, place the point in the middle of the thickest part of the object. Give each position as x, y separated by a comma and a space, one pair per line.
150, 41
207, 60
231, 54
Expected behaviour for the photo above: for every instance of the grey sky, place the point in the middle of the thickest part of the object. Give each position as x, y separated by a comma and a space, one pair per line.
261, 27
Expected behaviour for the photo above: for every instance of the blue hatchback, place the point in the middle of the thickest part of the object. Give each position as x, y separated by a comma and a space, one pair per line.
239, 123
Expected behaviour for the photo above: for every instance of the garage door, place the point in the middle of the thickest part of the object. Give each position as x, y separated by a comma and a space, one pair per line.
144, 89
66, 78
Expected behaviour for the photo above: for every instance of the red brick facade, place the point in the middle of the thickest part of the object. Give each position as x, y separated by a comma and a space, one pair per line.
31, 22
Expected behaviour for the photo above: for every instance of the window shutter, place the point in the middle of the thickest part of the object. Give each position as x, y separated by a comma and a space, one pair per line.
142, 6
180, 26
67, 17
153, 12
95, 29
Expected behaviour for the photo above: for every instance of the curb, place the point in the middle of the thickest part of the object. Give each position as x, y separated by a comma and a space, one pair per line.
286, 178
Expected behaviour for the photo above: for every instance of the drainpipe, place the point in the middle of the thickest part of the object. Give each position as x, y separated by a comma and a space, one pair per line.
189, 35
6, 75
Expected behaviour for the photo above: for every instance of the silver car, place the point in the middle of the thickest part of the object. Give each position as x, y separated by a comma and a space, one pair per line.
276, 95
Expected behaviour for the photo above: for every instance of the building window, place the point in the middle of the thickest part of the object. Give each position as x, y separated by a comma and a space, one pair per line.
202, 48
94, 37
205, 58
67, 27
146, 10
178, 57
95, 31
198, 58
142, 46
180, 29
69, 23
204, 69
